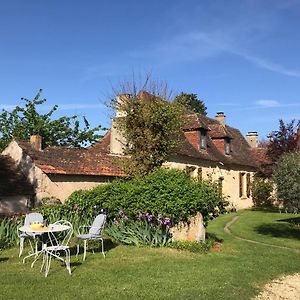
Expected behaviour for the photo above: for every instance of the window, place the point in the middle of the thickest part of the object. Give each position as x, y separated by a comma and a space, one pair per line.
227, 146
203, 139
244, 185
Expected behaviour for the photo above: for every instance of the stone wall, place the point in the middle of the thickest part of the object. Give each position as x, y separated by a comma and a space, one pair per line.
229, 175
193, 230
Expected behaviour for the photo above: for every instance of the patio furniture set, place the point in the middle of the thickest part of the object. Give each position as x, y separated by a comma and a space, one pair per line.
55, 239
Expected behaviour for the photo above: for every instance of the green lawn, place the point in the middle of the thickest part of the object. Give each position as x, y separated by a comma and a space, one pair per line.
144, 273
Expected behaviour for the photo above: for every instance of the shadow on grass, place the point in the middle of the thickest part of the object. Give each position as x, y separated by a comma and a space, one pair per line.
2, 259
213, 237
294, 221
94, 246
279, 230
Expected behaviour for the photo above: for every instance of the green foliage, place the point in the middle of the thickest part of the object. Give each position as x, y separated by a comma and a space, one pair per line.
287, 179
191, 102
139, 233
171, 193
25, 121
261, 192
9, 231
53, 213
282, 140
151, 127
192, 246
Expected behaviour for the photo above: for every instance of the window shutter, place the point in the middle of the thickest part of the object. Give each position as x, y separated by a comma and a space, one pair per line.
248, 185
240, 184
199, 174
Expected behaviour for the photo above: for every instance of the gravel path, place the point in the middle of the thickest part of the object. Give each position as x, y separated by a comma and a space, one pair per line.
283, 288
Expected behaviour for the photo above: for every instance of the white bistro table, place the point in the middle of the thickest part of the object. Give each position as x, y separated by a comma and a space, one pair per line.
50, 231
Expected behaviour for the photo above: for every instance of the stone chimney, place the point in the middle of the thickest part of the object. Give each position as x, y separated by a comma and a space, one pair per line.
120, 100
36, 142
220, 117
252, 139
117, 141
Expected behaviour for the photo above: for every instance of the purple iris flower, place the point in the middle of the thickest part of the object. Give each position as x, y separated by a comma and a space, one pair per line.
121, 212
116, 221
149, 217
167, 221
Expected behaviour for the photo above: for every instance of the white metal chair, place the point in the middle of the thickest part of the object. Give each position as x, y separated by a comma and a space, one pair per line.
29, 219
95, 233
58, 244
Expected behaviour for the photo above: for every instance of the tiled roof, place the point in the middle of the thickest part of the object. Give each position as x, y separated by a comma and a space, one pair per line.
241, 153
195, 121
73, 161
96, 160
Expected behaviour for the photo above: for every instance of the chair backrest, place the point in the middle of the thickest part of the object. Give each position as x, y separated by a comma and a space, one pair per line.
63, 237
98, 225
33, 217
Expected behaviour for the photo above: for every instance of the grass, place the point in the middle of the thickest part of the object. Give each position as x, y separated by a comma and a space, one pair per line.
238, 272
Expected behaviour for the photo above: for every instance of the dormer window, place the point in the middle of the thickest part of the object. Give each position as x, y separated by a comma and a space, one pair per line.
203, 138
227, 146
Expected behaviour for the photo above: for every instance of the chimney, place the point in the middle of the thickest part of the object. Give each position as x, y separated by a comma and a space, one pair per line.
36, 142
252, 139
117, 140
120, 100
220, 117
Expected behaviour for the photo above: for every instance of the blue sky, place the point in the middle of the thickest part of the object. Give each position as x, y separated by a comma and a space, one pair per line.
240, 57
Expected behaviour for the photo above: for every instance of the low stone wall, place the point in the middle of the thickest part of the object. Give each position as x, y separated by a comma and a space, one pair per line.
193, 230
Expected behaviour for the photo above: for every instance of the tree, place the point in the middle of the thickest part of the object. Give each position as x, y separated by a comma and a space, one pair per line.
150, 124
287, 179
191, 102
283, 140
22, 122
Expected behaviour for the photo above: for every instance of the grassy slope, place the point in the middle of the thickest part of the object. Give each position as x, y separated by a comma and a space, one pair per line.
273, 228
134, 273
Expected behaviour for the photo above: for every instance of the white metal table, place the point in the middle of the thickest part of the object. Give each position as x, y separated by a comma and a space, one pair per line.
50, 230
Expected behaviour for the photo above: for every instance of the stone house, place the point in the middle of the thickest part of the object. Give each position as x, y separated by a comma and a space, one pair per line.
210, 149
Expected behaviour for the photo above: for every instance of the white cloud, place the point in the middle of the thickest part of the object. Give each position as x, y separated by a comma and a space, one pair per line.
268, 103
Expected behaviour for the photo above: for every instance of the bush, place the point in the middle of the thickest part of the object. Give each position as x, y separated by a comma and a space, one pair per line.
147, 231
171, 193
287, 179
9, 231
261, 192
196, 247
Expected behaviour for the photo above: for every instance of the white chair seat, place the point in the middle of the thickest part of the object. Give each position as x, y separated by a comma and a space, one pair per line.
95, 233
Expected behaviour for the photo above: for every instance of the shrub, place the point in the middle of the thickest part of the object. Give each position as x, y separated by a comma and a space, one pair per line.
9, 231
171, 193
287, 179
261, 192
147, 231
193, 246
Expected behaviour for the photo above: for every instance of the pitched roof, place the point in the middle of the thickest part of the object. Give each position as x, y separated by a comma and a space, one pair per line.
240, 154
97, 161
73, 161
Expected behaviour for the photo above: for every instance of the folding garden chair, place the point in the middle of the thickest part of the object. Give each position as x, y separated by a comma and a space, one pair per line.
94, 234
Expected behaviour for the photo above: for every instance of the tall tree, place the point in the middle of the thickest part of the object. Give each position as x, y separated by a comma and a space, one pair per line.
151, 126
191, 102
22, 122
282, 140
